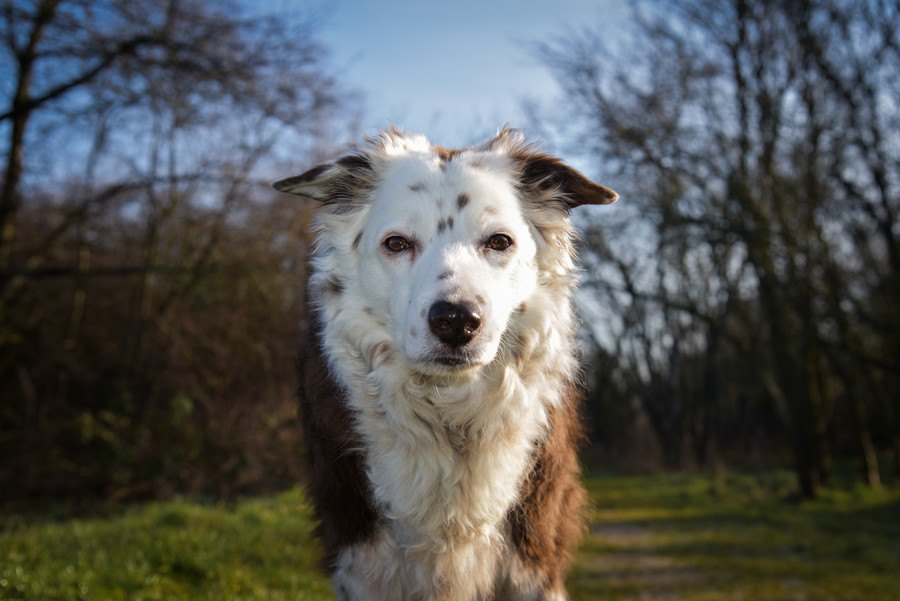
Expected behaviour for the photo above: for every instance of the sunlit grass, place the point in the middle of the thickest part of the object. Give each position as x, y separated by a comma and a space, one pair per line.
651, 537
256, 549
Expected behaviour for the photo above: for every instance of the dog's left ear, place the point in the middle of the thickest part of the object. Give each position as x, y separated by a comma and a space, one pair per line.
549, 173
329, 182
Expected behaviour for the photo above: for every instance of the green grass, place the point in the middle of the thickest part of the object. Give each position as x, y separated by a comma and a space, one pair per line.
660, 537
737, 538
256, 549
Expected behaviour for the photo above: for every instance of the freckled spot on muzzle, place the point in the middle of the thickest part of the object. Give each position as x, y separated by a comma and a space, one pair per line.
445, 224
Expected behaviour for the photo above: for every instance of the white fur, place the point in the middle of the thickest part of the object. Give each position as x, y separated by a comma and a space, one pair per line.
446, 449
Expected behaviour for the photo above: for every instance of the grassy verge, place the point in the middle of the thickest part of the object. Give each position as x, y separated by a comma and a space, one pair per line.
651, 537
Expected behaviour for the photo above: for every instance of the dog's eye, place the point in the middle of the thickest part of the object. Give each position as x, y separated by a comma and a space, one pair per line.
499, 242
397, 244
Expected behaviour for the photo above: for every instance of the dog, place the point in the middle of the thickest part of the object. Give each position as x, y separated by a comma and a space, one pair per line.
438, 392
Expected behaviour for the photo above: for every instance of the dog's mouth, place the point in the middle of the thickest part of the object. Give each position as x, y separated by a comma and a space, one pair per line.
451, 361
448, 362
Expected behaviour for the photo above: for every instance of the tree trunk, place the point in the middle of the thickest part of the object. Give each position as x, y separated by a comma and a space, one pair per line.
19, 114
867, 454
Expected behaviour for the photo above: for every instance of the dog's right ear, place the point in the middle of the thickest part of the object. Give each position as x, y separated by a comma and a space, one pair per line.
330, 182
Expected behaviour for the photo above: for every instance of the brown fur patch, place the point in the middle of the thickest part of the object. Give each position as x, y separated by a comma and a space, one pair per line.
462, 200
355, 162
336, 480
445, 224
356, 240
446, 154
417, 187
342, 190
545, 172
545, 524
312, 174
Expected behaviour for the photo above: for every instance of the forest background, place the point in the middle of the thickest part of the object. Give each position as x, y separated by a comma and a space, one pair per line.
741, 303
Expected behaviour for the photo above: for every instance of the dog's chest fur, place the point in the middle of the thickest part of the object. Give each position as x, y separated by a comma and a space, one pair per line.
445, 459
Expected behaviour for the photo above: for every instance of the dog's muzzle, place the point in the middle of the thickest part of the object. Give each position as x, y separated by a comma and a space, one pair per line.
454, 324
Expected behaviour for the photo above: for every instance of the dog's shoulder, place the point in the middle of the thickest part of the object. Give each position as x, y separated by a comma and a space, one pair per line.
547, 515
335, 467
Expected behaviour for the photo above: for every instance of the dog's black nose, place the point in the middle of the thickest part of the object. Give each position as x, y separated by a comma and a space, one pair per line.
454, 324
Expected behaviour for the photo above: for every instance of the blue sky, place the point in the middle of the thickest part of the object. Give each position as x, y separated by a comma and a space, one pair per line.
454, 70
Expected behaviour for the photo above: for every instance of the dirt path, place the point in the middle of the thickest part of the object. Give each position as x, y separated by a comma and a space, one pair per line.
621, 562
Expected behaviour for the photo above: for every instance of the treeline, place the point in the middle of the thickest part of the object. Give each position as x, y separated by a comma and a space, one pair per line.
741, 302
151, 283
745, 296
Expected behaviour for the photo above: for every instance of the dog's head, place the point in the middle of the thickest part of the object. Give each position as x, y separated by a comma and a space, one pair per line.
446, 249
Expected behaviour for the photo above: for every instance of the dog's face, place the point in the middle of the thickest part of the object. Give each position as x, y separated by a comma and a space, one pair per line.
445, 244
448, 253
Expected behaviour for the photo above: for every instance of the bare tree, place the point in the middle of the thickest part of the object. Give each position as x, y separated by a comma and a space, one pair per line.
137, 139
752, 141
179, 65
